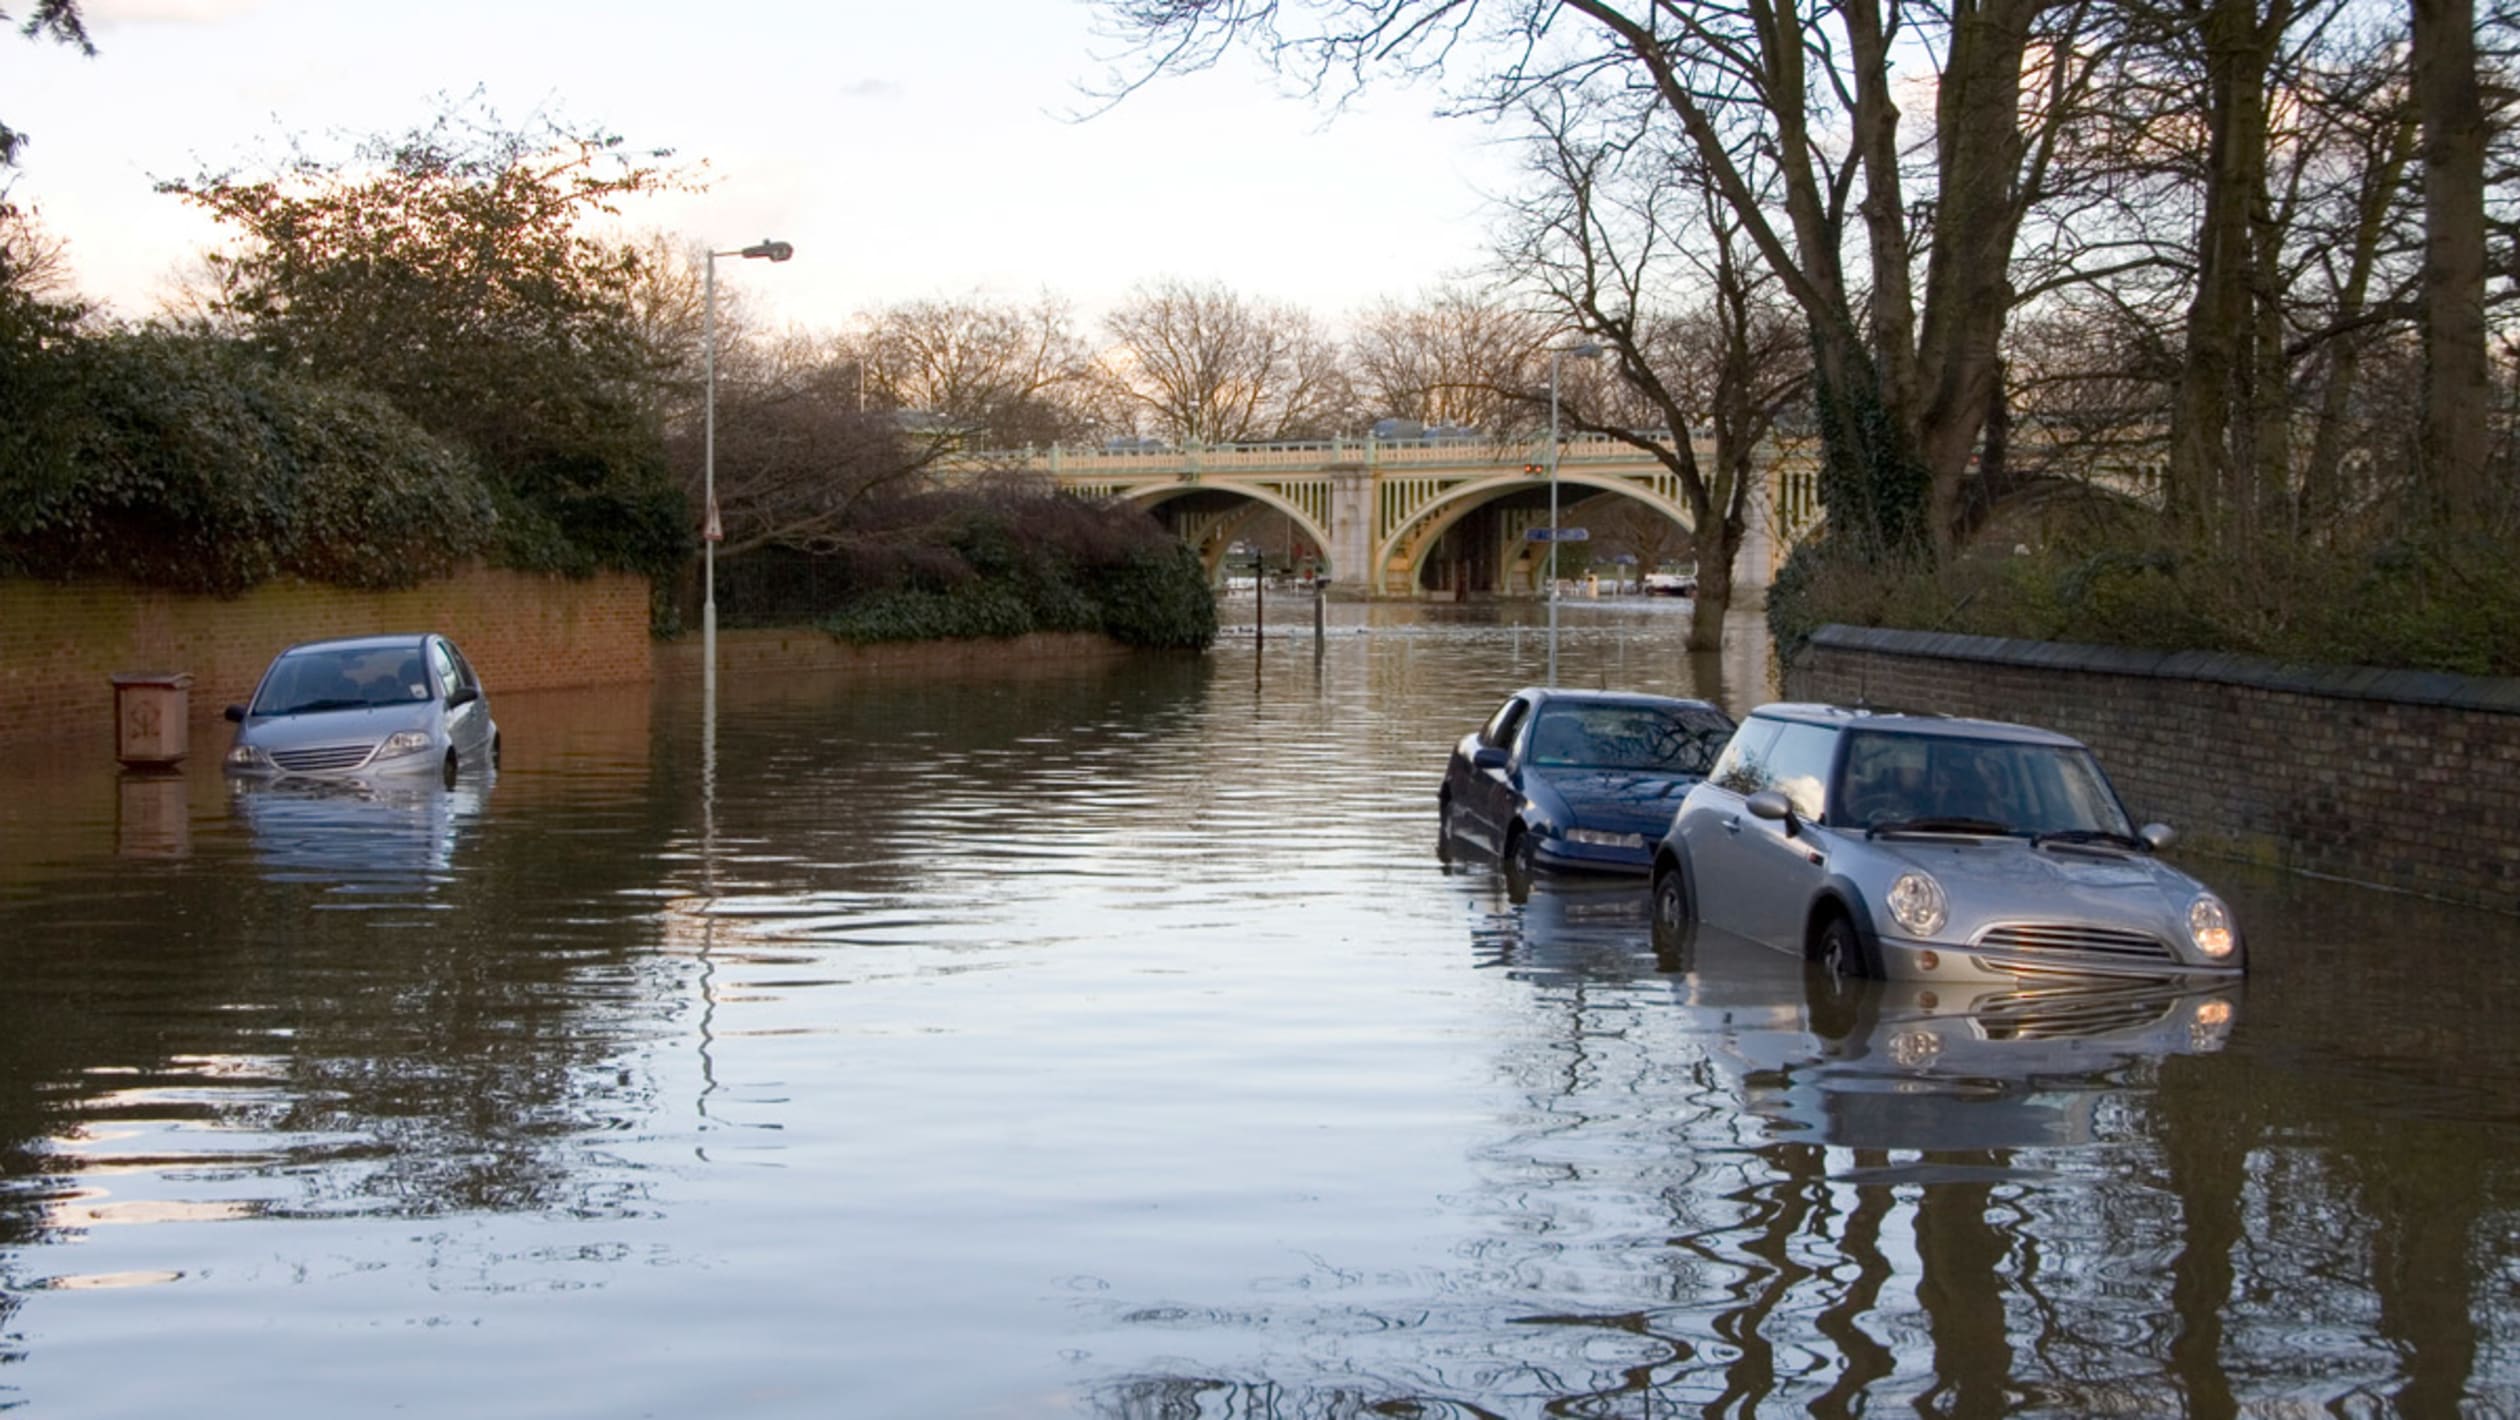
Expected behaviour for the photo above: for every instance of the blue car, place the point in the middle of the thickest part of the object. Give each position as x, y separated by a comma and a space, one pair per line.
1576, 780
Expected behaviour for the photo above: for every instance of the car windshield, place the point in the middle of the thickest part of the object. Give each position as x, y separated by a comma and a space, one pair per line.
1665, 739
1895, 779
307, 681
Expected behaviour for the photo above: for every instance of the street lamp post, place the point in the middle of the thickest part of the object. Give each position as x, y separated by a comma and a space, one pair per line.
710, 532
1587, 350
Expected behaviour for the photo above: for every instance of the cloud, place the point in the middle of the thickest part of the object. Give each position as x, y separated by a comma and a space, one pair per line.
871, 89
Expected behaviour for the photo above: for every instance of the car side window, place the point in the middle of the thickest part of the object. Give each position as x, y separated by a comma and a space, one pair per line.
444, 669
464, 673
1500, 728
1742, 767
1798, 765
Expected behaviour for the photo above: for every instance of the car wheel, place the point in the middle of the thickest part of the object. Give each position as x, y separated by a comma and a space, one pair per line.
1520, 867
1672, 911
495, 742
1837, 950
1444, 827
446, 772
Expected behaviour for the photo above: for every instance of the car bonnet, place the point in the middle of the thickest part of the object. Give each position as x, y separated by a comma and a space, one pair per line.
1989, 879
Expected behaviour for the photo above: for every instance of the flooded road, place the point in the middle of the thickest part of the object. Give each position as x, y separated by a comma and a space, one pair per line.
1112, 1042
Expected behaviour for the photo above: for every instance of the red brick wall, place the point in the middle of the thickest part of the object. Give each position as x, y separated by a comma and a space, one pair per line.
2396, 779
61, 643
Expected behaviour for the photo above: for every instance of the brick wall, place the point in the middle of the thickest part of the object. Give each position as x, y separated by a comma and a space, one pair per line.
2397, 779
60, 643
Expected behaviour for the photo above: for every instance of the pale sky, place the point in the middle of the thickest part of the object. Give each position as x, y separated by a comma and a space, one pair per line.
907, 150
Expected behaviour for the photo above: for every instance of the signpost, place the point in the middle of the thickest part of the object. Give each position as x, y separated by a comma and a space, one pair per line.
1558, 535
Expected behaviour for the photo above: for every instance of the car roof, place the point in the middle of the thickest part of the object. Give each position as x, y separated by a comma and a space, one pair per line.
1542, 695
361, 643
1898, 722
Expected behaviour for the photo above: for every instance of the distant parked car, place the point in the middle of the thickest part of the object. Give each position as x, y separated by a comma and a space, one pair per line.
368, 705
1573, 780
1922, 848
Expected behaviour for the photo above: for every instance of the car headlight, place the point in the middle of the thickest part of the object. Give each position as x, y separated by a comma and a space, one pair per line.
1916, 903
247, 757
2209, 926
402, 742
1601, 839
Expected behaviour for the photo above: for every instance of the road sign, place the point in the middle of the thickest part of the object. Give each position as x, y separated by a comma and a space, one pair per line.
1559, 535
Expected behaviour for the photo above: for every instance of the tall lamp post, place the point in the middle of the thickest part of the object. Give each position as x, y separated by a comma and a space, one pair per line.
711, 533
1587, 350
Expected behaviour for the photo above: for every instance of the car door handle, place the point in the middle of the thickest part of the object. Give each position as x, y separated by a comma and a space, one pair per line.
1732, 823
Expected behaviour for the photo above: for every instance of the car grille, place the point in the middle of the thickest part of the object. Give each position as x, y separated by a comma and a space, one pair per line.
2053, 1015
2041, 938
322, 758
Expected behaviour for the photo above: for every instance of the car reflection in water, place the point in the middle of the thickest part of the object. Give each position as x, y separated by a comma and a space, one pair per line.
1865, 1064
1936, 1066
375, 836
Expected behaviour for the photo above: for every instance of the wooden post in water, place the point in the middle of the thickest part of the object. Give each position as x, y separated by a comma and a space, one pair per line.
1319, 635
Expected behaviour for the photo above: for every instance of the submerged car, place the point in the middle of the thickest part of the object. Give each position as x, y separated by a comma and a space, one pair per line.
1926, 848
1575, 780
368, 705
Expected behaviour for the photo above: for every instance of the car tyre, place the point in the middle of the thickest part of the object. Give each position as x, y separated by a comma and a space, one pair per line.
1837, 950
447, 771
496, 742
1672, 909
1444, 831
1520, 866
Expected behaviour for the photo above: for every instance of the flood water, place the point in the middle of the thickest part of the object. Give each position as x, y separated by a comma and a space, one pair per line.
1111, 1041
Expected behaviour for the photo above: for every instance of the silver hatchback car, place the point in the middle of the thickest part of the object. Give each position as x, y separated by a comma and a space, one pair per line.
1922, 848
367, 705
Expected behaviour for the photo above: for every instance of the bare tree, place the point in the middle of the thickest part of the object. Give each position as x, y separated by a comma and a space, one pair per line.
1795, 101
1632, 247
2451, 105
1201, 364
1006, 375
1451, 357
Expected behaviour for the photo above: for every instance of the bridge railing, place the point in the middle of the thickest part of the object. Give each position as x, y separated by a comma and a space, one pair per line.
1308, 455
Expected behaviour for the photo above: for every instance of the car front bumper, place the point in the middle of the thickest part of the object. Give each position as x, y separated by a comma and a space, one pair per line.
1906, 959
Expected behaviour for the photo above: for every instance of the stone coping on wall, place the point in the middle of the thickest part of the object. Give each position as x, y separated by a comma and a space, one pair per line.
2492, 694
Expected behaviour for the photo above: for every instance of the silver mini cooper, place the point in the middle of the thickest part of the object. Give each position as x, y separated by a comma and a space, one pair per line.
365, 706
1929, 849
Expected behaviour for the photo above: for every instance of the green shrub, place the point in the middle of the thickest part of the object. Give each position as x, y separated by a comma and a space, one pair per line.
2439, 602
191, 464
977, 564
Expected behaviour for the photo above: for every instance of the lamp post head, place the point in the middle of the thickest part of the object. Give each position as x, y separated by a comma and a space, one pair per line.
1587, 350
770, 250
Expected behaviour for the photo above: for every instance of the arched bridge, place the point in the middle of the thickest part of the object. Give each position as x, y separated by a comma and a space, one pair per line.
1429, 517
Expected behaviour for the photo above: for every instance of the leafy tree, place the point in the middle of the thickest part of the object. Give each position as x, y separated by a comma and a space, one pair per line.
449, 270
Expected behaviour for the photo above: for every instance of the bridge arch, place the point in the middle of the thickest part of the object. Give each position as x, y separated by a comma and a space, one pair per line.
1209, 540
1403, 551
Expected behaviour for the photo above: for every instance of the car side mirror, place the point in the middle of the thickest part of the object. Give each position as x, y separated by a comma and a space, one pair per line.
1772, 805
235, 714
2157, 836
464, 695
1487, 757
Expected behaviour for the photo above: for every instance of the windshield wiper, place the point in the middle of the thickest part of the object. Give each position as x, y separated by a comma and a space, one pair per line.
333, 704
2091, 835
1938, 825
